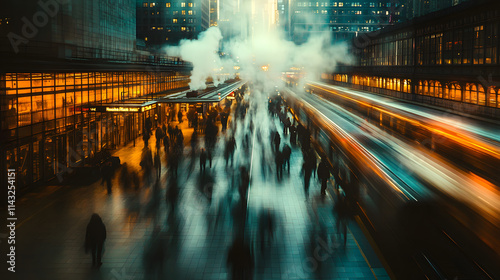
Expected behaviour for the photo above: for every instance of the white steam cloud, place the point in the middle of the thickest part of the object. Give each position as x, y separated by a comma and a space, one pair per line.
260, 57
203, 53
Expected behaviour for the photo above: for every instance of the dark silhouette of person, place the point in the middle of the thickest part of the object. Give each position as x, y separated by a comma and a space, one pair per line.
277, 141
203, 160
287, 151
107, 175
279, 164
293, 135
313, 159
229, 151
209, 155
179, 116
94, 239
323, 175
240, 259
341, 209
157, 164
172, 194
244, 183
158, 136
308, 170
166, 143
266, 227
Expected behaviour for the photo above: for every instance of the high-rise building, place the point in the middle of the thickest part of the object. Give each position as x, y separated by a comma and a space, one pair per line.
423, 7
343, 18
61, 28
283, 16
214, 12
167, 22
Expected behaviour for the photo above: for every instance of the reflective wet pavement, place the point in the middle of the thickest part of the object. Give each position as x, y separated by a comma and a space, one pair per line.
146, 241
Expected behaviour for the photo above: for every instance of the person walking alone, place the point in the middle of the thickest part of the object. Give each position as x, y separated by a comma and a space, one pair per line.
94, 239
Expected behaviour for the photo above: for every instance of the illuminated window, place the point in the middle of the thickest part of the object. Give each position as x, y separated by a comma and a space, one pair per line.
183, 4
341, 4
151, 5
167, 5
183, 12
190, 12
166, 38
174, 20
190, 4
146, 39
145, 4
183, 28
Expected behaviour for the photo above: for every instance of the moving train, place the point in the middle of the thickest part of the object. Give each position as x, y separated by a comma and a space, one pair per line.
429, 219
435, 132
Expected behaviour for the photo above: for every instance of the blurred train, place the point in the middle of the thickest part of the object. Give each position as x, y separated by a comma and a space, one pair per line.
480, 156
421, 211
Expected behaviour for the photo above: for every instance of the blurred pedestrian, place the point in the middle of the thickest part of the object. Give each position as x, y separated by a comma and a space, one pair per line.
323, 175
308, 170
179, 116
287, 151
240, 260
279, 164
229, 151
94, 239
107, 175
209, 155
166, 143
203, 160
277, 141
157, 164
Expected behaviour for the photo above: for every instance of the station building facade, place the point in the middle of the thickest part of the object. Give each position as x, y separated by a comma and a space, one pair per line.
77, 55
449, 59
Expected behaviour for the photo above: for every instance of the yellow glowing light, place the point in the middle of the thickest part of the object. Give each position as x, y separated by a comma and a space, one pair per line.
265, 68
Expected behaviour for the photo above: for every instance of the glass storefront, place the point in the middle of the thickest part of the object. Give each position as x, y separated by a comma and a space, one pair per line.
46, 126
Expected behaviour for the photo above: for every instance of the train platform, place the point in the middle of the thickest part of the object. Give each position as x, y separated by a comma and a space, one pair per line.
146, 240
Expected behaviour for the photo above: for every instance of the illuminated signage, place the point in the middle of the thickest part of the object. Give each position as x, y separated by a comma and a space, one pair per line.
148, 107
122, 109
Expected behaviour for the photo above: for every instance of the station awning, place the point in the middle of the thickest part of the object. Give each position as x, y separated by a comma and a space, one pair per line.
140, 105
210, 96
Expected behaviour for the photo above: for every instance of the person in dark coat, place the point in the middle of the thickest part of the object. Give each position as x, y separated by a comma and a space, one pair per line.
94, 239
158, 136
307, 168
287, 151
279, 164
107, 175
179, 116
293, 135
166, 143
209, 155
277, 141
240, 260
203, 160
323, 175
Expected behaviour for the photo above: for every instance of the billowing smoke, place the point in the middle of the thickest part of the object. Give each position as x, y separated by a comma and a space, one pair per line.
260, 55
203, 53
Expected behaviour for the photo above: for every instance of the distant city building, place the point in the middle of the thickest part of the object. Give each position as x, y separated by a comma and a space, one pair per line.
283, 16
345, 19
50, 28
167, 22
423, 7
214, 12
